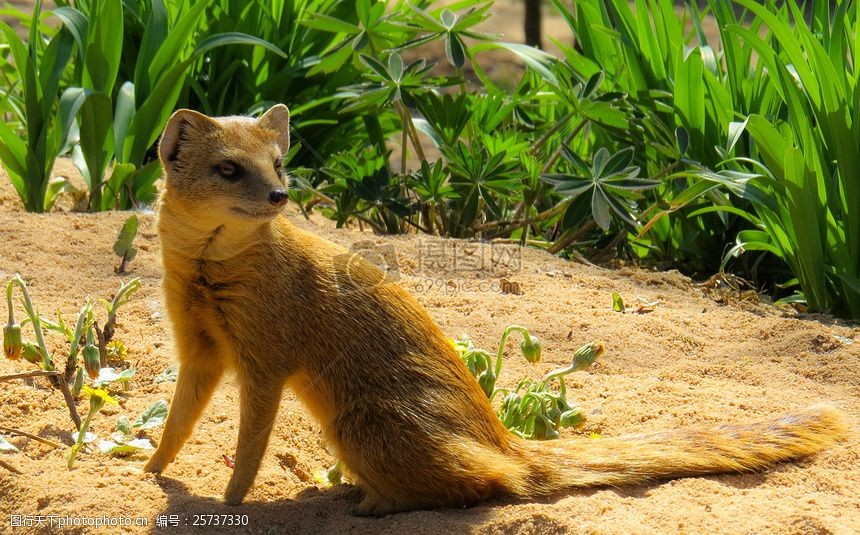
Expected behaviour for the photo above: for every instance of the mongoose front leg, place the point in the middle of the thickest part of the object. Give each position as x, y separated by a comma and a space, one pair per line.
194, 387
259, 401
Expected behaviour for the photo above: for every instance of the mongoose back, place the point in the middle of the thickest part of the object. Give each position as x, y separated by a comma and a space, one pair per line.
248, 291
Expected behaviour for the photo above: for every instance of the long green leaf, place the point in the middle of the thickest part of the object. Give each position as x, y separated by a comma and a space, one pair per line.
805, 216
104, 46
154, 34
96, 140
170, 51
123, 117
13, 154
537, 59
77, 24
235, 38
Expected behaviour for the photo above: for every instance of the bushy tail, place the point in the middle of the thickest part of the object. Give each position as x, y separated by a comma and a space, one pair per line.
560, 464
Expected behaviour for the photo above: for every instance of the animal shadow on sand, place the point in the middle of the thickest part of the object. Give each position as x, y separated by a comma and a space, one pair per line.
316, 510
330, 511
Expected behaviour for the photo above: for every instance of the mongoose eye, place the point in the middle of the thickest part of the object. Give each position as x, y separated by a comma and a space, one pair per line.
229, 170
279, 166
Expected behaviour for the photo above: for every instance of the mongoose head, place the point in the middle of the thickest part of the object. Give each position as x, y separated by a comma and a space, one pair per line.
226, 170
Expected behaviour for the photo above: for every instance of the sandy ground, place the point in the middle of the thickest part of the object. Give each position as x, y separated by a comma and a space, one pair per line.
695, 360
698, 359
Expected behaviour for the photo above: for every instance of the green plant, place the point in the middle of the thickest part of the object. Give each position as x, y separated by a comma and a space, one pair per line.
168, 375
534, 409
764, 144
98, 397
479, 177
330, 476
124, 441
87, 344
675, 106
87, 341
808, 193
48, 119
603, 190
484, 368
123, 294
307, 76
618, 302
121, 124
123, 246
789, 164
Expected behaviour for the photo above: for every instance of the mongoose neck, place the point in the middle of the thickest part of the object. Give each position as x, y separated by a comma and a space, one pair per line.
192, 239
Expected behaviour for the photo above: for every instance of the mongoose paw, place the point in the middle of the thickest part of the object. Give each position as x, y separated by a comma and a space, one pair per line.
154, 465
372, 506
232, 500
234, 496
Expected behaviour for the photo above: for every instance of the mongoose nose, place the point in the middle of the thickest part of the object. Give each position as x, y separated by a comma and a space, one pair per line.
277, 197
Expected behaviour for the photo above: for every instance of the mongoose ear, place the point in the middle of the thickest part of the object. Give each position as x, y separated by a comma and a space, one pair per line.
176, 132
277, 119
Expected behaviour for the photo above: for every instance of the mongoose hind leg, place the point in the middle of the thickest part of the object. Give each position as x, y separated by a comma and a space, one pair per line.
374, 505
260, 396
407, 464
198, 376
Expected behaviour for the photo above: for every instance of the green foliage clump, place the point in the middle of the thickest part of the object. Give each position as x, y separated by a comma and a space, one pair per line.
86, 366
642, 139
533, 409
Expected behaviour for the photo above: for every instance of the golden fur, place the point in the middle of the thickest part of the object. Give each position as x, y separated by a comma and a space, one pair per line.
246, 290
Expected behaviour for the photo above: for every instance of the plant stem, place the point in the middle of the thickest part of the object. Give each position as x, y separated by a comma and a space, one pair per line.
374, 225
82, 430
72, 361
406, 119
505, 335
70, 402
96, 195
9, 288
570, 236
11, 468
555, 128
403, 149
37, 323
425, 230
557, 152
122, 264
666, 170
543, 216
25, 375
618, 237
29, 435
431, 218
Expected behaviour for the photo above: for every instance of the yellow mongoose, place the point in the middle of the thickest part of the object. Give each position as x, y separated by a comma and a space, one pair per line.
248, 291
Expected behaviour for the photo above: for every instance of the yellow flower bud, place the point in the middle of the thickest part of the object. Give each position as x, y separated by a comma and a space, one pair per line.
32, 353
531, 348
586, 355
487, 380
571, 418
79, 382
92, 360
12, 340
